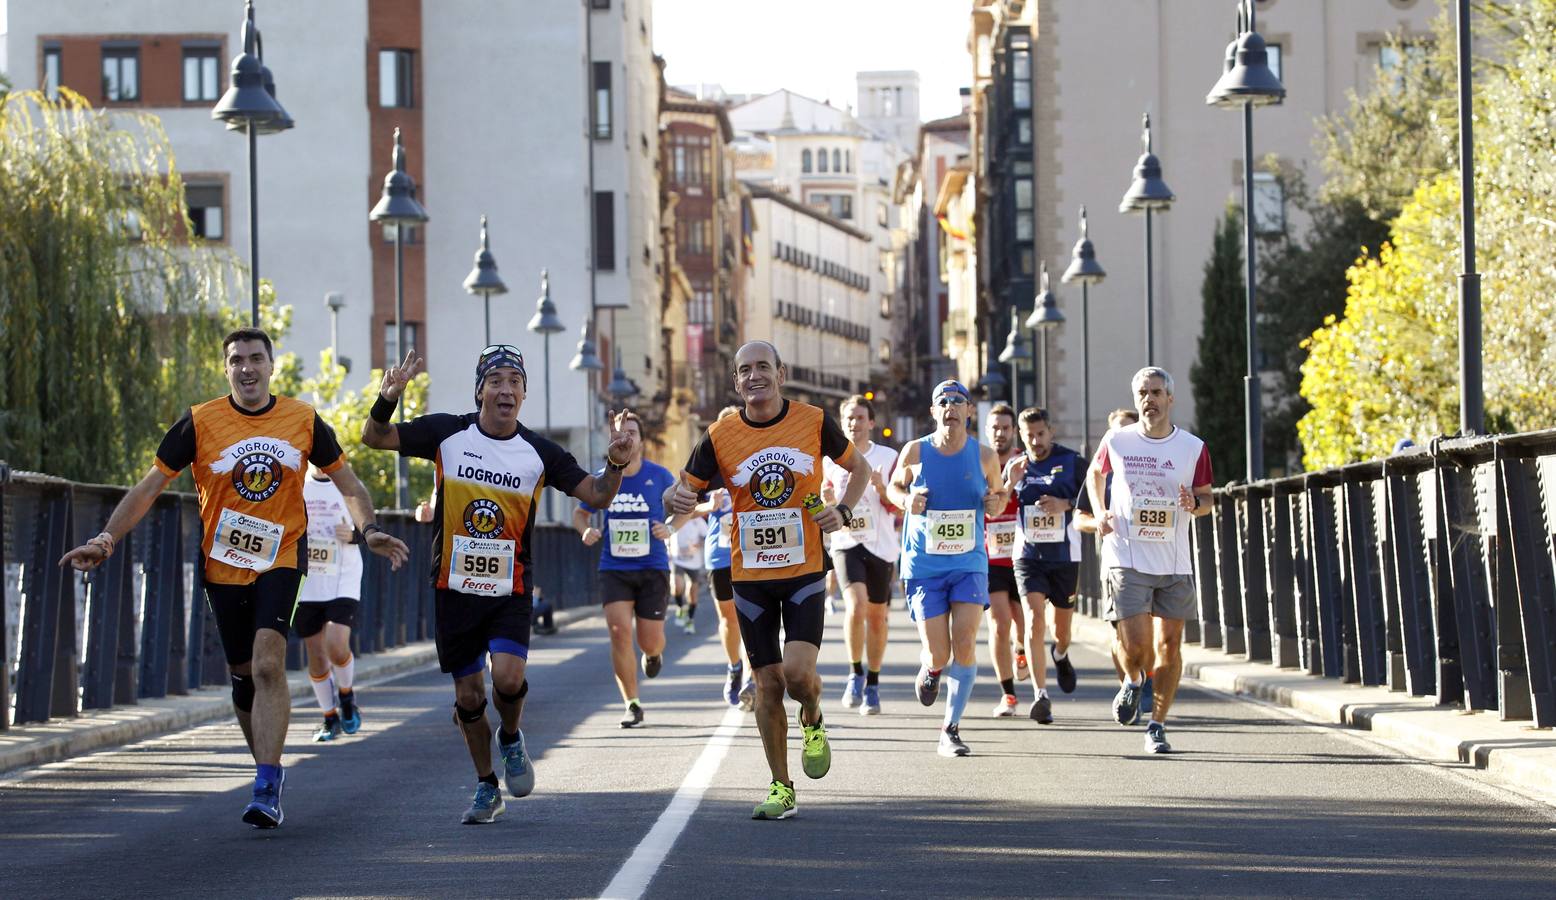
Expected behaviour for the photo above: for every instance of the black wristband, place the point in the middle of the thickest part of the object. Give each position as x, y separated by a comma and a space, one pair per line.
611, 466
383, 409
844, 510
370, 528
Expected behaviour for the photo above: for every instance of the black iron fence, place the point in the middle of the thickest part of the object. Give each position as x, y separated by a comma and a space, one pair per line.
140, 627
1432, 572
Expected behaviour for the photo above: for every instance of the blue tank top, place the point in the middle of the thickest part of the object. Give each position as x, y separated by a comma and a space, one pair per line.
629, 544
945, 539
715, 547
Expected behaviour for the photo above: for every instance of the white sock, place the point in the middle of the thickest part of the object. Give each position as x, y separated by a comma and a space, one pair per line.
1133, 684
1041, 693
1054, 652
344, 674
324, 692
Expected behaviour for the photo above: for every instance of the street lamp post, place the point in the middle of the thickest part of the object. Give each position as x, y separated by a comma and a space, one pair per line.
484, 280
587, 361
1246, 82
1085, 269
398, 207
1147, 194
1044, 319
1014, 353
546, 323
621, 388
336, 301
1472, 401
250, 106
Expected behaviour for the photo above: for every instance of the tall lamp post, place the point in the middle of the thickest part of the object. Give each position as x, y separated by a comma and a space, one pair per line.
398, 207
587, 361
1472, 401
1147, 194
1044, 319
1015, 353
1247, 82
546, 323
484, 280
1085, 269
250, 106
336, 301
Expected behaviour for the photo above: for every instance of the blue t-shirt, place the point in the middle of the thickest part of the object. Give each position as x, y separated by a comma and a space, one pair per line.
629, 521
1057, 475
948, 537
715, 547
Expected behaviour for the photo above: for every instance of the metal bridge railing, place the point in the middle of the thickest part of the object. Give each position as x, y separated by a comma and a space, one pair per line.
140, 626
1432, 572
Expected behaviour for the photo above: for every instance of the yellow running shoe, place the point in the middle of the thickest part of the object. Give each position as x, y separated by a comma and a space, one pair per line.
779, 803
816, 756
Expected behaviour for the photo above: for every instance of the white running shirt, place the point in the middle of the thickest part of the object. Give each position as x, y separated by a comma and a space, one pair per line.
1151, 533
686, 543
334, 569
873, 526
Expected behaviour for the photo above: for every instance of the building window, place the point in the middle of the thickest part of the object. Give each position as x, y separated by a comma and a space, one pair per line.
1023, 130
885, 351
700, 312
121, 74
604, 231
392, 349
821, 161
1021, 78
396, 78
206, 208
1026, 260
202, 74
805, 161
51, 58
1269, 204
412, 234
837, 160
839, 206
601, 111
689, 159
599, 4
848, 160
1274, 51
1393, 58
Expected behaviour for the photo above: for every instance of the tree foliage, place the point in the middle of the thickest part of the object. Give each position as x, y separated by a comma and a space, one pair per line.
346, 411
1221, 362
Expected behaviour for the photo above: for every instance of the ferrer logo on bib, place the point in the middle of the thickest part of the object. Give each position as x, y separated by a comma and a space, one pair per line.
483, 518
771, 474
257, 465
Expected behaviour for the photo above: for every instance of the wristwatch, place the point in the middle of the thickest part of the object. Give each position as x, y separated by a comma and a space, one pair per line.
612, 465
371, 527
844, 511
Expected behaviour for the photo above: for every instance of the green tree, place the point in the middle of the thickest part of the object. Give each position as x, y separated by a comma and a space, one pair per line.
346, 411
1221, 361
109, 310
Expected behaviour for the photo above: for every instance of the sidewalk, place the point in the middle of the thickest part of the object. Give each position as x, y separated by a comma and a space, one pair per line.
24, 746
1513, 752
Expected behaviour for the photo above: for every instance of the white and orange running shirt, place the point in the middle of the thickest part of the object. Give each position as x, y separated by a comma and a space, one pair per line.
1151, 534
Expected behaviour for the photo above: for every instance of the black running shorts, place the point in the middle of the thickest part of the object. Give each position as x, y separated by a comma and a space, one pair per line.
241, 610
648, 590
1054, 580
794, 606
857, 565
722, 589
470, 626
1003, 578
310, 617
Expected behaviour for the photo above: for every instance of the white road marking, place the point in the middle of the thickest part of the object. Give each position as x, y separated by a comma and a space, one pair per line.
639, 869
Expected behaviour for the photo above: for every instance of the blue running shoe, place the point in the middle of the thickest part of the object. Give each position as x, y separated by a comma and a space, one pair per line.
732, 687
1147, 701
853, 691
518, 773
1156, 739
265, 810
329, 731
1126, 705
872, 701
350, 720
486, 807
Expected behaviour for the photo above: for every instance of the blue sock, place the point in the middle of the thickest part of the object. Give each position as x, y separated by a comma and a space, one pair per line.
271, 774
960, 680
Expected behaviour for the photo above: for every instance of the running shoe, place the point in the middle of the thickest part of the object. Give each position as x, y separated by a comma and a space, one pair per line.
634, 716
951, 743
1147, 697
816, 755
853, 691
691, 627
265, 810
1023, 672
329, 731
1005, 708
1126, 704
652, 665
748, 695
927, 686
518, 773
732, 688
1066, 673
1042, 710
779, 803
350, 717
486, 806
872, 701
1156, 739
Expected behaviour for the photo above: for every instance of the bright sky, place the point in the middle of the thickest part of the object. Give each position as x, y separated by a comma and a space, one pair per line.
814, 47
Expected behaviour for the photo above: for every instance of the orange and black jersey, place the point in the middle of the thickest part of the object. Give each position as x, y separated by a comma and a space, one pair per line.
769, 468
487, 488
251, 464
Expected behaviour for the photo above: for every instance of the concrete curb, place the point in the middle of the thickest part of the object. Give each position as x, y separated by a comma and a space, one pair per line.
1512, 752
31, 745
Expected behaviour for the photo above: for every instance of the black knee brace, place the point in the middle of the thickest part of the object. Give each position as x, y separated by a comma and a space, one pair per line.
514, 697
243, 692
470, 715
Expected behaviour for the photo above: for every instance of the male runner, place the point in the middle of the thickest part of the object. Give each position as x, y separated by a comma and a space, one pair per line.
1046, 479
247, 451
1085, 521
948, 483
999, 540
863, 554
634, 567
770, 459
327, 606
1163, 478
686, 569
489, 473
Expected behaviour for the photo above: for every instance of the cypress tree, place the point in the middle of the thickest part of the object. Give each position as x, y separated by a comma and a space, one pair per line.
1219, 366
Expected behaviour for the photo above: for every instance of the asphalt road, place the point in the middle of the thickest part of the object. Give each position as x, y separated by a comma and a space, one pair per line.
1252, 802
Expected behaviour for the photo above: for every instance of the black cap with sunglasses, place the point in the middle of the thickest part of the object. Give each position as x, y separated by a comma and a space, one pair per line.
498, 356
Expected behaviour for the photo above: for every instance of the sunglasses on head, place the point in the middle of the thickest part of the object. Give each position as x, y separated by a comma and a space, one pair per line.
951, 400
501, 349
